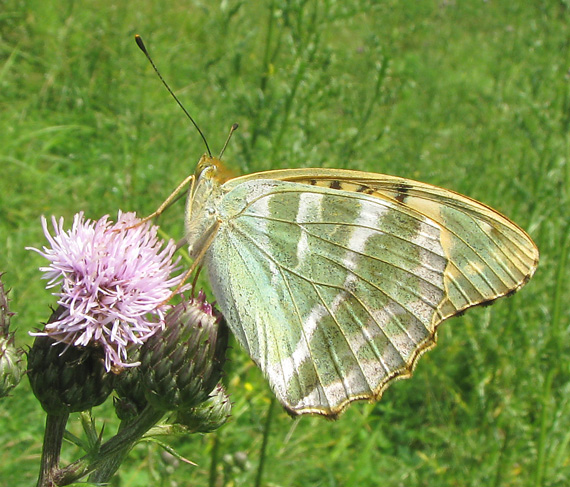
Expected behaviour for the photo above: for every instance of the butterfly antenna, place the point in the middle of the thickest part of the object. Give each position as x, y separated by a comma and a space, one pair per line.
232, 130
142, 47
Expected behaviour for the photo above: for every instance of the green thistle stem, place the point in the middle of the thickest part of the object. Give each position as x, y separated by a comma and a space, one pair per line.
214, 462
53, 438
116, 447
263, 452
110, 466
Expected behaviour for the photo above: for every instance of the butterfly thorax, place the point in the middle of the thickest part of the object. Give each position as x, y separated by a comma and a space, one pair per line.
203, 201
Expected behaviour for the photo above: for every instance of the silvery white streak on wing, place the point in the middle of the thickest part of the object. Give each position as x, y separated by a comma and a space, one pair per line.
404, 343
370, 368
370, 216
314, 397
369, 333
428, 243
310, 325
366, 226
310, 204
363, 229
301, 352
336, 389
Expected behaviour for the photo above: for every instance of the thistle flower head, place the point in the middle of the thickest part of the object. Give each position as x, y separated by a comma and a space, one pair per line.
112, 281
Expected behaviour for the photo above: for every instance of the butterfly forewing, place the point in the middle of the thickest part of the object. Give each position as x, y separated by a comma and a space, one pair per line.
335, 281
489, 256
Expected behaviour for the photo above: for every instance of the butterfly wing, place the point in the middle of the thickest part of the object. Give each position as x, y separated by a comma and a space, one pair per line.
336, 285
488, 255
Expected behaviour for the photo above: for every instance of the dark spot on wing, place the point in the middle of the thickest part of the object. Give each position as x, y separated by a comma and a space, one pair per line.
402, 190
335, 185
365, 189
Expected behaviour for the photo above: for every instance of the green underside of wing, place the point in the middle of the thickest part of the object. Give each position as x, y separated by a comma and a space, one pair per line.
335, 293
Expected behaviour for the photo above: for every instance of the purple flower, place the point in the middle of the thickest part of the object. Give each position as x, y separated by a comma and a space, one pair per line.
114, 281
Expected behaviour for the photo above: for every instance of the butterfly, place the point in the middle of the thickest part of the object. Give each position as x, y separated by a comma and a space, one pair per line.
335, 281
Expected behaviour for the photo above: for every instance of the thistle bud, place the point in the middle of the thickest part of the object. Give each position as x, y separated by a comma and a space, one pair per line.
182, 364
209, 415
11, 365
67, 378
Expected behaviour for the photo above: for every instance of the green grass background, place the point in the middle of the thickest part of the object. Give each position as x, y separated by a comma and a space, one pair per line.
470, 95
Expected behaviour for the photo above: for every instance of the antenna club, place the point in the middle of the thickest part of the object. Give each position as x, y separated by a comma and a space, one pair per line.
140, 43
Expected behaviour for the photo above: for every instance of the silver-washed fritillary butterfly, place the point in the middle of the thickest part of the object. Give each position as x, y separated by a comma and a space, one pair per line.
335, 281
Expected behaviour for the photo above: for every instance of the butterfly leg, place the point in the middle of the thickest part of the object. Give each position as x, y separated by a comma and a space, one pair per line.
165, 204
197, 264
168, 201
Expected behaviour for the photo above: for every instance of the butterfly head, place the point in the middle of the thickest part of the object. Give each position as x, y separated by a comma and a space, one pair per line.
212, 167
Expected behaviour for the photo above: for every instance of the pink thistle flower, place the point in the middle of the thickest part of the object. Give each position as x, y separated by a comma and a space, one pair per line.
114, 281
